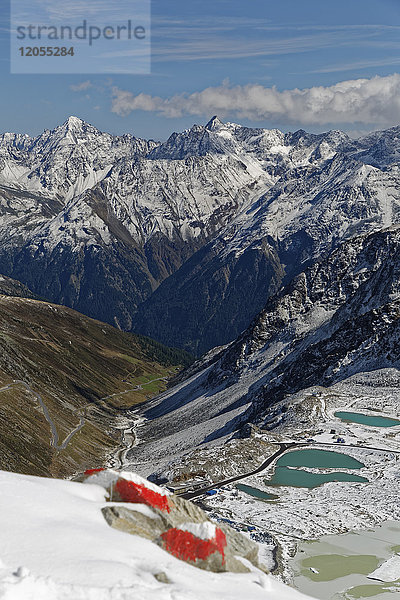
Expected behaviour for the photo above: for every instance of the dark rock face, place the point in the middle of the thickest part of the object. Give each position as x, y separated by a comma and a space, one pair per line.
208, 302
307, 212
335, 319
105, 283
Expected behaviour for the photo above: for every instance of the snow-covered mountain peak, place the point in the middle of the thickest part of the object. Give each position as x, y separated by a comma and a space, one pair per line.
196, 141
337, 136
379, 148
8, 137
214, 124
74, 122
71, 131
67, 160
392, 133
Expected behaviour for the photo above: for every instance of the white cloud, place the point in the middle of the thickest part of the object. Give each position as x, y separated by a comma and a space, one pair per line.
81, 87
369, 101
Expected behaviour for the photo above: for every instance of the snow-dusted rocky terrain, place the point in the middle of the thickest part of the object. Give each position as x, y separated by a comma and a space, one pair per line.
297, 514
327, 342
337, 318
325, 189
336, 507
291, 241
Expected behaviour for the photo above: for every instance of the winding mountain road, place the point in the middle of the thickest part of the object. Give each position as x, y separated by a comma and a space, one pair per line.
134, 389
282, 448
128, 438
54, 442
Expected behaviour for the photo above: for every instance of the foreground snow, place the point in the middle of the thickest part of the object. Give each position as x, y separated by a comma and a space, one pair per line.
56, 545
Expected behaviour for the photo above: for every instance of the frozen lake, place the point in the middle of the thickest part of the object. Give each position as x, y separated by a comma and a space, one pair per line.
336, 567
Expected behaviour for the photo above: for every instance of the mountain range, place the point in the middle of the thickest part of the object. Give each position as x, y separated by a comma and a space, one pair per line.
185, 240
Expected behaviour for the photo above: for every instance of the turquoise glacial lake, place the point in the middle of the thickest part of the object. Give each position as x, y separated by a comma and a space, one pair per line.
248, 489
371, 420
313, 458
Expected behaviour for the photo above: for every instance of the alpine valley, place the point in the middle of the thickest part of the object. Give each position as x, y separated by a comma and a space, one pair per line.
250, 283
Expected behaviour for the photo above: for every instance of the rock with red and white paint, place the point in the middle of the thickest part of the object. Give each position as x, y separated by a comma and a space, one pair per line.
129, 487
197, 543
178, 526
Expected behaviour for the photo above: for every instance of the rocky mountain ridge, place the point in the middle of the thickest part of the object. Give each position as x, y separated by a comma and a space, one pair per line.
337, 318
96, 222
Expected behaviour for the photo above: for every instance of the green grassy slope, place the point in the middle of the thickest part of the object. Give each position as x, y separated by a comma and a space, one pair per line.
67, 383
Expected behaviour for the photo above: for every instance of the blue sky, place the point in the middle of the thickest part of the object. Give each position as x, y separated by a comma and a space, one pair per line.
241, 59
